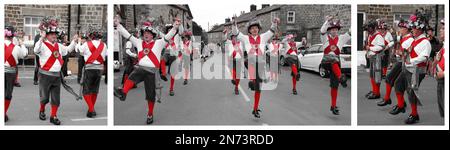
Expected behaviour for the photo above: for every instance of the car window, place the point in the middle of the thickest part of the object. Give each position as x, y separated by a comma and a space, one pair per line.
312, 49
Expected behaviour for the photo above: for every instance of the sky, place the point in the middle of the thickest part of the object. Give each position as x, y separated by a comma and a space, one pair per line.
215, 12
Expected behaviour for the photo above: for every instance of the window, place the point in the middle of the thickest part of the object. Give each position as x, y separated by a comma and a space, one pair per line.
291, 17
273, 15
31, 26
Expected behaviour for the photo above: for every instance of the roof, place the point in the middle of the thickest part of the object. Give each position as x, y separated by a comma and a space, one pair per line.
247, 17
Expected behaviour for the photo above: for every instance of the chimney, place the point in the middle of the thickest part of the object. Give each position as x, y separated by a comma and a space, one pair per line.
252, 7
264, 6
227, 20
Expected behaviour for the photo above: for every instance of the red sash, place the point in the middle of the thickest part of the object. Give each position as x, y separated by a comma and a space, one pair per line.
147, 51
332, 44
8, 55
413, 53
293, 48
95, 53
237, 49
255, 43
54, 56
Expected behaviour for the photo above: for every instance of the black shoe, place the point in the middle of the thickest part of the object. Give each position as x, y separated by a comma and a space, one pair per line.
6, 118
233, 82
171, 93
298, 76
90, 114
17, 85
150, 119
368, 94
396, 110
412, 119
373, 96
119, 94
251, 85
134, 86
236, 92
35, 83
185, 82
343, 80
334, 110
256, 113
42, 116
384, 102
94, 113
164, 78
55, 120
294, 91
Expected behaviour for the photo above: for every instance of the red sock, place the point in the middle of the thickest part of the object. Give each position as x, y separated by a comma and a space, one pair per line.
7, 102
127, 86
93, 99
400, 99
251, 72
334, 92
336, 70
42, 108
294, 78
256, 104
387, 95
233, 73
54, 110
375, 87
186, 74
163, 67
237, 83
150, 107
88, 100
413, 109
384, 71
125, 78
172, 81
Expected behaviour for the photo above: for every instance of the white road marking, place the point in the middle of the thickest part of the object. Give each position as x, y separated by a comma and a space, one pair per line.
242, 92
89, 119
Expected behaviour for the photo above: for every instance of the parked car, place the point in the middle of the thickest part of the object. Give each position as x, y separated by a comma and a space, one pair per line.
310, 59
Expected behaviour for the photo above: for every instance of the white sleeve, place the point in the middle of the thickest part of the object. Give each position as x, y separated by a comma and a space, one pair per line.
266, 36
23, 51
390, 39
344, 38
37, 47
406, 44
323, 29
169, 35
127, 35
378, 44
67, 49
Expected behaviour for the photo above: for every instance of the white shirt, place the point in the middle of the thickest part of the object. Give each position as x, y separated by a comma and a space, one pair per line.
86, 52
44, 53
343, 38
19, 52
422, 50
157, 47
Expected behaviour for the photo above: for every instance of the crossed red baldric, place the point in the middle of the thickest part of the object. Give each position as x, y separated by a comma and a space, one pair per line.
8, 55
413, 53
95, 53
147, 51
54, 49
293, 48
237, 49
255, 43
332, 44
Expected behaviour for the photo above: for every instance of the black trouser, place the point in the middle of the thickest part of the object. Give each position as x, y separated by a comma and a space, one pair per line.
36, 68
138, 75
49, 89
80, 67
129, 67
394, 73
91, 81
9, 84
403, 83
440, 96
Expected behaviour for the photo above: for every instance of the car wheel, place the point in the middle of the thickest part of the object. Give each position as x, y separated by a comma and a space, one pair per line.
323, 72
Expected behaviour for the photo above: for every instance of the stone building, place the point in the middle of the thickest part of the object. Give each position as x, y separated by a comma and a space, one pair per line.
302, 20
392, 14
72, 19
163, 14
